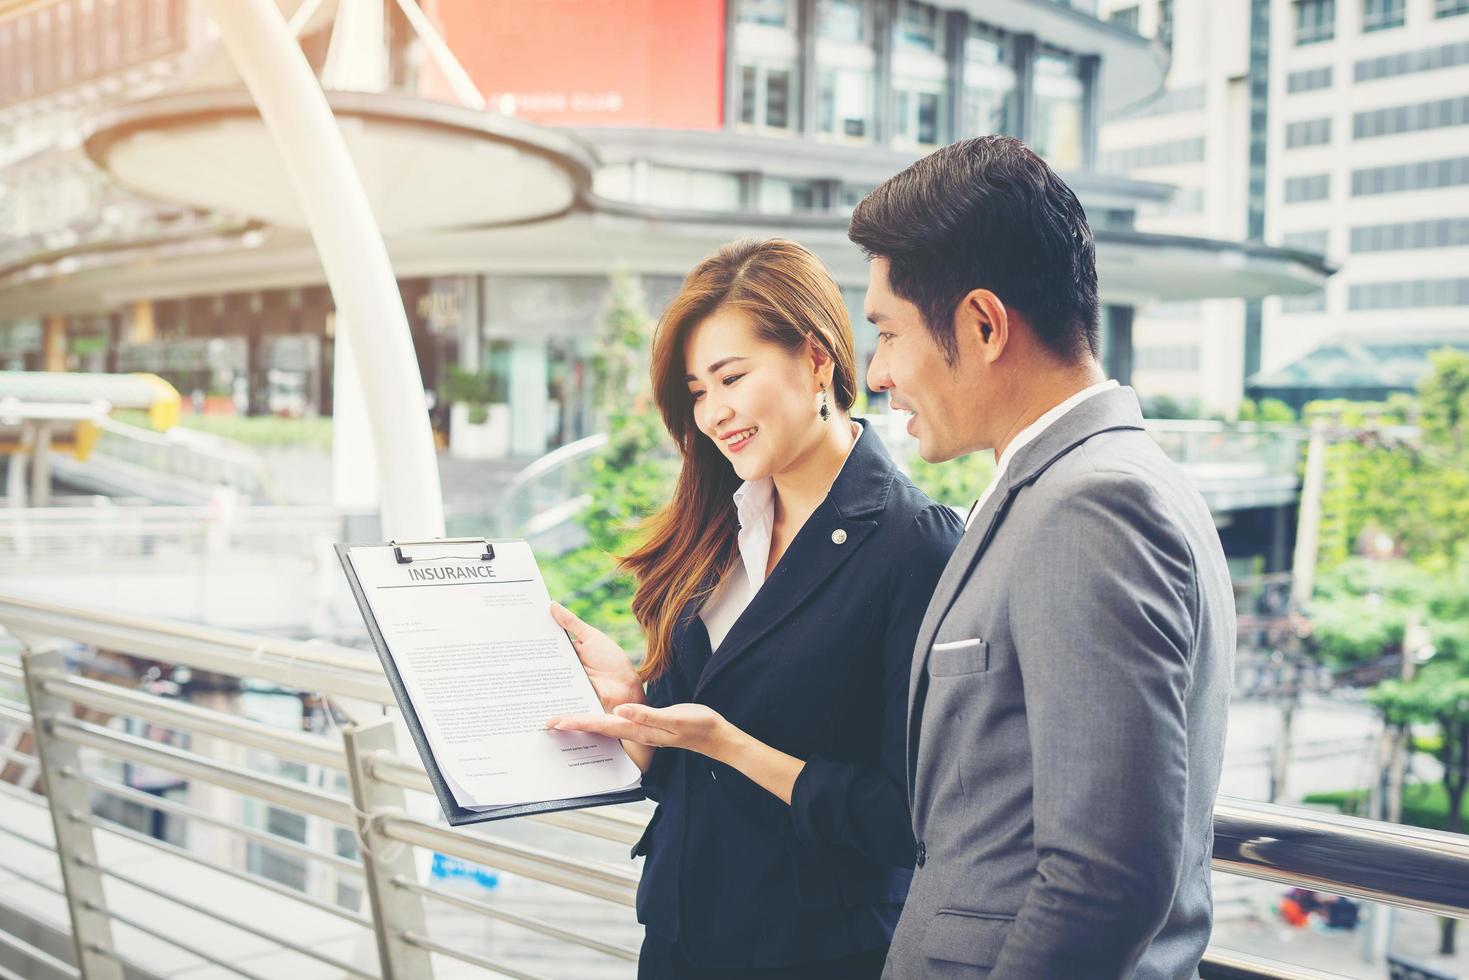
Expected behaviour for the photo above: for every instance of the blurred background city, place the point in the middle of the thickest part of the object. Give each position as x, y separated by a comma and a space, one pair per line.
195, 392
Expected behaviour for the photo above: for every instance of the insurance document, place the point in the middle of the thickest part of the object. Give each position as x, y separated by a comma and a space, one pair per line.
485, 666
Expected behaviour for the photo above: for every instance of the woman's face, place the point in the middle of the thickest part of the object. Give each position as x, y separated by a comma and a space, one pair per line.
756, 401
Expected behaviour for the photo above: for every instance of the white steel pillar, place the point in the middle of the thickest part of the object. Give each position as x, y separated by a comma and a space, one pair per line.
295, 112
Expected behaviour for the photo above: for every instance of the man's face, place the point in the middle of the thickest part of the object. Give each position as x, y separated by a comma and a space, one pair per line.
946, 402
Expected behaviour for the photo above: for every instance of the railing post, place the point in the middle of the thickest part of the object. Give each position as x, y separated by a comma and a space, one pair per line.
67, 797
395, 910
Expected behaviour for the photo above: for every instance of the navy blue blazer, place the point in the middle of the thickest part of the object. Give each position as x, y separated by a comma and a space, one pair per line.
816, 666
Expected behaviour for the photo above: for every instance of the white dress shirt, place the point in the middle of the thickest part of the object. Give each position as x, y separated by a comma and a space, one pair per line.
1029, 434
755, 507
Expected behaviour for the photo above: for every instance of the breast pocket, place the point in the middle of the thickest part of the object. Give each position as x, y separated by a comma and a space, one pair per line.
953, 658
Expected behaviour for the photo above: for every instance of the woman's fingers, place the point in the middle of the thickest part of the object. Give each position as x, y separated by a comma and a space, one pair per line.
567, 620
578, 723
640, 714
612, 726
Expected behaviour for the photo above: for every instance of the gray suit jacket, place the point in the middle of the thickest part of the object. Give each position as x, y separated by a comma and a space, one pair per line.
1066, 726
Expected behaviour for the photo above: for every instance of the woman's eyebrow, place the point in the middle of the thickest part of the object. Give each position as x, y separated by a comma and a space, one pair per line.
723, 361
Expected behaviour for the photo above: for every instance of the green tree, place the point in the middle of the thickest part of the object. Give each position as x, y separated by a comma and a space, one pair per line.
1438, 695
1265, 410
1445, 398
958, 482
1401, 484
630, 478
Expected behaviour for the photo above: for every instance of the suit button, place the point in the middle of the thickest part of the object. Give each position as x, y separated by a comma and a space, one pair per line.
922, 857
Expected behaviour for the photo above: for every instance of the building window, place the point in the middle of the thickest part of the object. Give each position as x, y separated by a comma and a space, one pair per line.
1450, 8
1437, 233
694, 190
1379, 15
1312, 302
1299, 190
1170, 102
1185, 200
1409, 294
768, 53
1125, 18
1410, 62
1308, 80
767, 13
781, 196
1424, 175
1306, 241
990, 82
1172, 358
846, 80
920, 27
1060, 98
920, 76
1308, 132
852, 195
1315, 21
1165, 23
766, 97
1167, 154
843, 21
1411, 118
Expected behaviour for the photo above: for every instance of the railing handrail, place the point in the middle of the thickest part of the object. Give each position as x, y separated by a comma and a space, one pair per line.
308, 666
249, 646
1223, 426
1408, 867
554, 460
250, 472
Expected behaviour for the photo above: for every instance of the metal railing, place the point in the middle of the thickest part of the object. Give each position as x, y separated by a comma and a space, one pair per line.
354, 778
203, 459
86, 535
1233, 464
544, 496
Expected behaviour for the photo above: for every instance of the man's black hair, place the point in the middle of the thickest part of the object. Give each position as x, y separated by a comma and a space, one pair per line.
987, 213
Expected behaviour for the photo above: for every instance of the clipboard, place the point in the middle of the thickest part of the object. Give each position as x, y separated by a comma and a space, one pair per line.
453, 812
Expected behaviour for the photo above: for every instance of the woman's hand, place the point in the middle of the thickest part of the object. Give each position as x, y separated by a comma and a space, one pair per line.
696, 727
612, 674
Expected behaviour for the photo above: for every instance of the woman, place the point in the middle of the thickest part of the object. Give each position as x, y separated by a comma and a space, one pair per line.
781, 591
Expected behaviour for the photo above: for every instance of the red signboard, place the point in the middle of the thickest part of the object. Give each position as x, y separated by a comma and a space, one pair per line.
635, 63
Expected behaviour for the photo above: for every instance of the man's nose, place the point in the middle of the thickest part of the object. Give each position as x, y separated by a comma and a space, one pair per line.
877, 377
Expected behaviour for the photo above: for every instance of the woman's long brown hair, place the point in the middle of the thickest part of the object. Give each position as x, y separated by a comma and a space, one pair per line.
692, 543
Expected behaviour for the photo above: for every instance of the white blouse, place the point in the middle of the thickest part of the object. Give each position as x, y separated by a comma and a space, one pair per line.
755, 508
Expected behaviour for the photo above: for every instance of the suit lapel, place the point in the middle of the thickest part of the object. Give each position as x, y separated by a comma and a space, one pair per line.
971, 547
1105, 411
812, 558
690, 648
818, 551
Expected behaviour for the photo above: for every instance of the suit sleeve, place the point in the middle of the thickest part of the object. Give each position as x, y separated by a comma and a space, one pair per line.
1102, 611
655, 780
865, 807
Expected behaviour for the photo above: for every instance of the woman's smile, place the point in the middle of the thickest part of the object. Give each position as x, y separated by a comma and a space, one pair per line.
735, 441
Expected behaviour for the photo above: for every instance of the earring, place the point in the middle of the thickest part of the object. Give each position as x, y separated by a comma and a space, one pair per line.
825, 411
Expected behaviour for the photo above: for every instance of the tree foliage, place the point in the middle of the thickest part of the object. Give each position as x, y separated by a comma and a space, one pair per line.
1398, 490
958, 483
628, 480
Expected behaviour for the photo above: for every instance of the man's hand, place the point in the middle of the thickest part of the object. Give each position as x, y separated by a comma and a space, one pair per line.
612, 674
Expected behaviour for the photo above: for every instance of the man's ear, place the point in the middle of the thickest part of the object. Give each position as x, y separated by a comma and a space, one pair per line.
982, 325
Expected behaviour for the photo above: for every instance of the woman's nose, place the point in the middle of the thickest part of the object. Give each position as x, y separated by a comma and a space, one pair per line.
715, 413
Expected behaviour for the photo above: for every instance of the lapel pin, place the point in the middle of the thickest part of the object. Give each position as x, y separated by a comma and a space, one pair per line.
839, 536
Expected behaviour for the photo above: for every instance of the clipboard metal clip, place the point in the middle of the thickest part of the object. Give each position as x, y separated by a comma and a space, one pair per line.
402, 559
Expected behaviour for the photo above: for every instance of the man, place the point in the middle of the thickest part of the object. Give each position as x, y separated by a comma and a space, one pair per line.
1070, 683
